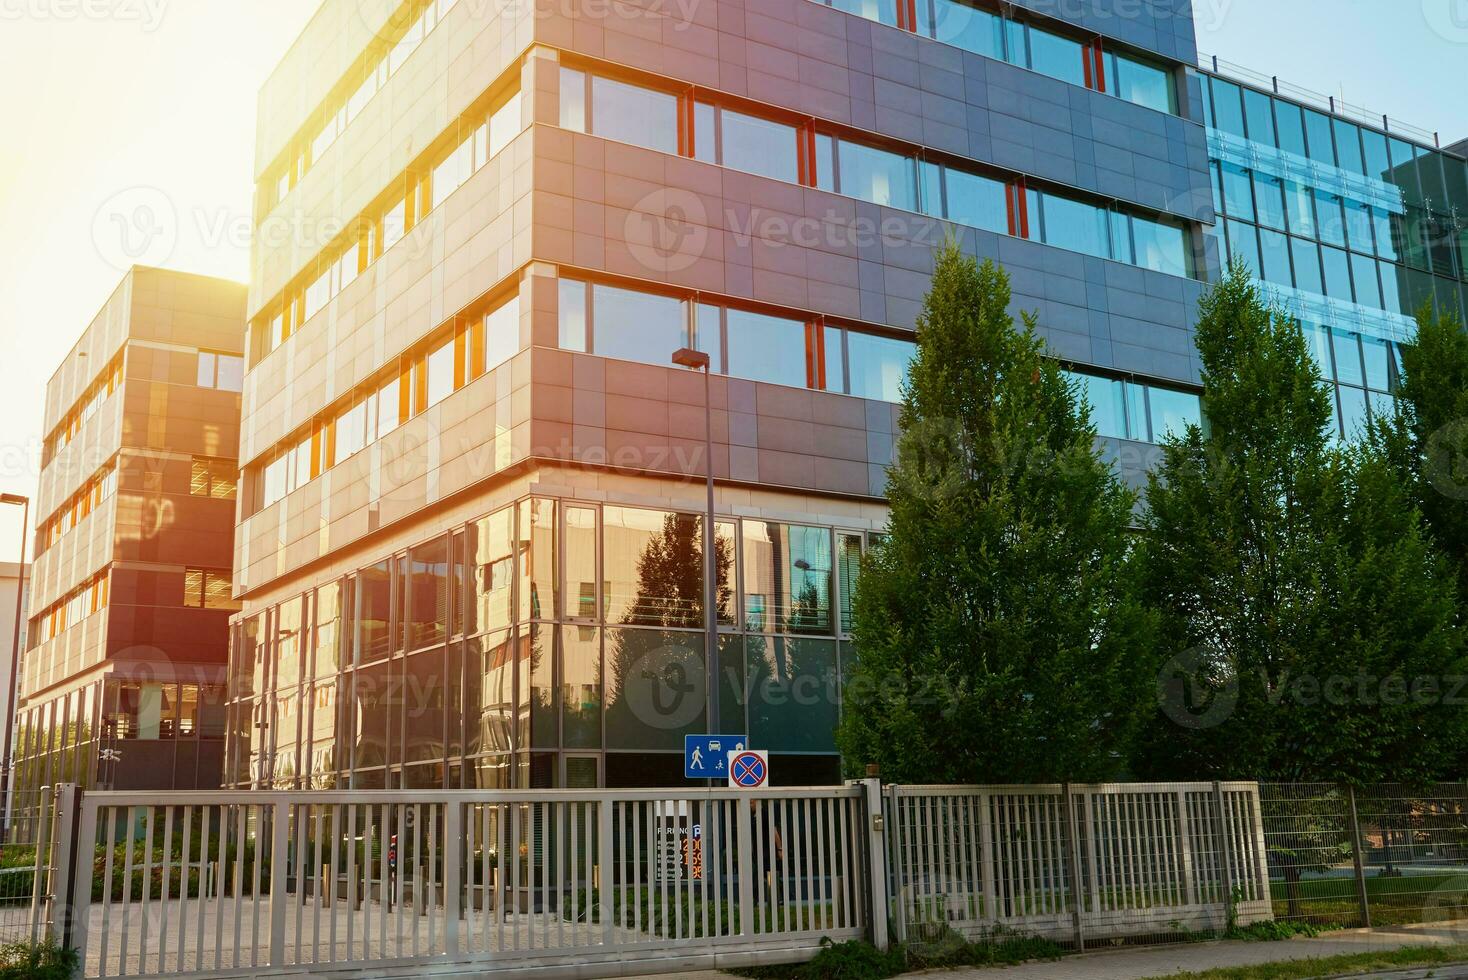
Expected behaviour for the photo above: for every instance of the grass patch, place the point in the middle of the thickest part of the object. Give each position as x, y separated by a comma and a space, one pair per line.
1330, 966
858, 960
37, 961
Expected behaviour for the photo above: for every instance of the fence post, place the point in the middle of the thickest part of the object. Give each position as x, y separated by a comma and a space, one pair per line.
605, 868
1225, 857
67, 799
453, 858
1356, 858
877, 862
84, 870
1072, 851
896, 860
279, 871
45, 824
748, 866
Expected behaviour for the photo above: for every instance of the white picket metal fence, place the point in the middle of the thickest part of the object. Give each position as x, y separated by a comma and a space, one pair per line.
592, 883
1075, 863
561, 881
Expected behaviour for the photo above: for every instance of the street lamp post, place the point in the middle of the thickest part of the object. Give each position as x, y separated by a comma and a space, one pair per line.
699, 361
7, 764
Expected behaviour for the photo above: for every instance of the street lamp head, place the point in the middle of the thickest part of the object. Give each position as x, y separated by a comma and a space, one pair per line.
690, 358
14, 498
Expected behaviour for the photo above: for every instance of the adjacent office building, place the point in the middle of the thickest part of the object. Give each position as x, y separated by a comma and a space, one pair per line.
469, 547
122, 678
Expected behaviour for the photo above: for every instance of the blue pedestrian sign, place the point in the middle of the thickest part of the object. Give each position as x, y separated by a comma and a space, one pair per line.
706, 756
749, 770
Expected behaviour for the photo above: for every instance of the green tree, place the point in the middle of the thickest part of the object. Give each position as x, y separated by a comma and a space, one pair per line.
1424, 440
1305, 616
998, 639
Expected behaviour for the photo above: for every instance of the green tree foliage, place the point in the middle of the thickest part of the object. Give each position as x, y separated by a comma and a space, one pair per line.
1307, 623
1425, 440
998, 639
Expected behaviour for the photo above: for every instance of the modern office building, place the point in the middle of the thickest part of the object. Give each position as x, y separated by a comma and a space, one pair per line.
122, 679
469, 550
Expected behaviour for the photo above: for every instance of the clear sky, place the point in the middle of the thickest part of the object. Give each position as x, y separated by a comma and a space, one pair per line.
114, 103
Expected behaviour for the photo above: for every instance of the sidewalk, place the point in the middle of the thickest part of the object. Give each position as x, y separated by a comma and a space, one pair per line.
1134, 964
1161, 961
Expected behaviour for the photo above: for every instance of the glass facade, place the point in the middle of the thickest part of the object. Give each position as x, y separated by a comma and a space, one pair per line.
501, 652
1350, 229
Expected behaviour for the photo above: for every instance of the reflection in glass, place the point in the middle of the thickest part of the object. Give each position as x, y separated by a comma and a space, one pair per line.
423, 707
793, 693
581, 687
637, 326
657, 688
878, 365
759, 146
580, 563
428, 603
373, 592
878, 176
492, 564
848, 568
634, 114
489, 671
787, 578
653, 573
761, 347
536, 547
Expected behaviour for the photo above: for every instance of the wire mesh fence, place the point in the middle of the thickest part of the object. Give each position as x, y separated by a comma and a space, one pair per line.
1381, 855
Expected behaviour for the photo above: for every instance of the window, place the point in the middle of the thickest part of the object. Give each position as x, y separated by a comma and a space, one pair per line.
1228, 107
653, 568
450, 175
976, 201
766, 348
1161, 247
1274, 253
501, 335
787, 578
428, 603
878, 365
1337, 274
848, 568
1290, 126
758, 146
1056, 56
1259, 114
1075, 226
1238, 199
1140, 83
439, 368
967, 27
1307, 266
572, 334
222, 371
633, 114
636, 326
1108, 405
213, 478
351, 432
1269, 198
1348, 146
878, 176
208, 589
1172, 412
1318, 133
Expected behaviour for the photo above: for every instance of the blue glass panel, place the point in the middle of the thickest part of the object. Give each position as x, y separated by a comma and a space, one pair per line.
878, 176
976, 201
1076, 226
1228, 107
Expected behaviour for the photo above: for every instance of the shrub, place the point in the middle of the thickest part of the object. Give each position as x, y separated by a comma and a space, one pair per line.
37, 961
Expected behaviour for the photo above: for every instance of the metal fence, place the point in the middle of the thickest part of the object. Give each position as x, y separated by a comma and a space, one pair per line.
230, 883
1381, 855
25, 867
1075, 864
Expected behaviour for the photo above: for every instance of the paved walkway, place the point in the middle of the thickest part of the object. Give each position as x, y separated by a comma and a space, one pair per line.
1136, 964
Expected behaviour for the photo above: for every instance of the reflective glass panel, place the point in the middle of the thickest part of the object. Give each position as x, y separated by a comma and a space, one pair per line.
977, 201
878, 365
793, 693
787, 578
878, 176
760, 146
766, 348
1076, 226
637, 326
634, 114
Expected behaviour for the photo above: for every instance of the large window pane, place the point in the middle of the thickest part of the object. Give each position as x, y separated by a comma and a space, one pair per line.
656, 688
581, 572
1076, 226
787, 578
1259, 114
1143, 84
573, 100
976, 201
968, 27
1300, 203
881, 11
1274, 254
1237, 193
1290, 126
1172, 412
1321, 142
1307, 266
1337, 266
634, 114
423, 718
878, 176
848, 568
653, 567
373, 592
878, 365
1108, 410
492, 563
502, 334
1269, 197
581, 687
1161, 246
760, 146
572, 309
792, 692
1330, 220
428, 604
537, 559
1228, 107
1243, 243
1056, 56
489, 671
440, 367
766, 348
1348, 146
1363, 271
1347, 358
636, 326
